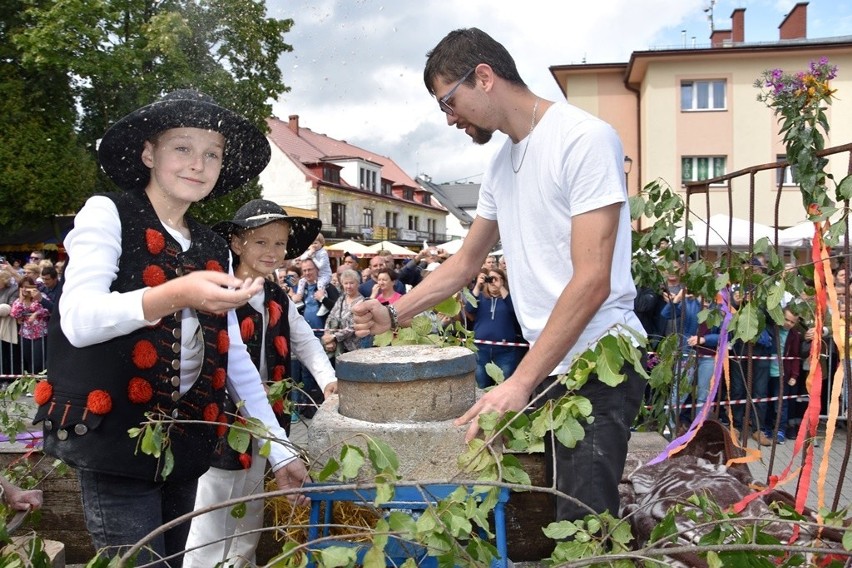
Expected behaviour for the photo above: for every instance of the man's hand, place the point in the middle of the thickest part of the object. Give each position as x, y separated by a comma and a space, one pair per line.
292, 476
371, 318
507, 396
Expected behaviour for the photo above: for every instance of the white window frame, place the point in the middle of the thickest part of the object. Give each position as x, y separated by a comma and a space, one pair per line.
692, 105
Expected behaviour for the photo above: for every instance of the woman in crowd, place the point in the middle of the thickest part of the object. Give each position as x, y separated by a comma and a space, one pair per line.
10, 355
494, 320
339, 334
32, 319
383, 290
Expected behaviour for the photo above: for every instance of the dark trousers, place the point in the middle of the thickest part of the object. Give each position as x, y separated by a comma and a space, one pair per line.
591, 471
121, 511
759, 388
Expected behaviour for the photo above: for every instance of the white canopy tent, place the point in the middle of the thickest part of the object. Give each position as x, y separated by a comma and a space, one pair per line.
451, 247
719, 228
350, 246
395, 249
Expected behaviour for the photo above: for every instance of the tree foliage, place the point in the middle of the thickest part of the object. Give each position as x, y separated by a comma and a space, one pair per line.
112, 56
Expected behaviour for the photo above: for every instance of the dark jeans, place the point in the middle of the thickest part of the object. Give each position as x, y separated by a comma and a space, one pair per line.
121, 511
759, 389
505, 357
591, 471
777, 388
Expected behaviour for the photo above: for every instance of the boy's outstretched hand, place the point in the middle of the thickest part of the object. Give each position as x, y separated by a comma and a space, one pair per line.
204, 290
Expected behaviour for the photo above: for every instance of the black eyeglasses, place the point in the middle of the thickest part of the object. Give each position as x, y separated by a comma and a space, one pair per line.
442, 102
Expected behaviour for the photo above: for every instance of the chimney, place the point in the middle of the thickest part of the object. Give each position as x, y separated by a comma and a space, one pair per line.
719, 37
795, 24
738, 25
293, 123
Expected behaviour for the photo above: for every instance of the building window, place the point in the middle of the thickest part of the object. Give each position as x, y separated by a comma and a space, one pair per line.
427, 198
698, 168
368, 217
387, 188
391, 220
367, 180
330, 174
786, 175
431, 228
413, 222
338, 215
703, 95
408, 193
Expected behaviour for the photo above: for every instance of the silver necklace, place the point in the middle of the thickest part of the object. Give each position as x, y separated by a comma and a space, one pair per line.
527, 145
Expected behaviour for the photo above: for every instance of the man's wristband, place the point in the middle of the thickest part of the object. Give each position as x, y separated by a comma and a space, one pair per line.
394, 318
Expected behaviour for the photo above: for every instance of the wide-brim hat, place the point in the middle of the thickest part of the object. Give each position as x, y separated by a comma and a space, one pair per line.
259, 212
247, 150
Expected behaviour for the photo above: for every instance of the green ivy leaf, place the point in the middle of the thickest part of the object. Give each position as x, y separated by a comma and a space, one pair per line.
329, 469
238, 511
570, 432
449, 307
168, 462
560, 530
495, 372
239, 439
421, 325
337, 556
374, 558
382, 455
351, 460
747, 322
152, 440
383, 339
847, 539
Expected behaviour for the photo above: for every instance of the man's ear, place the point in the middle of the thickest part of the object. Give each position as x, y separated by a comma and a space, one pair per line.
484, 76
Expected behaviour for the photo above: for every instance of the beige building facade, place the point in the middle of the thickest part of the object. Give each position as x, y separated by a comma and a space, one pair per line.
692, 114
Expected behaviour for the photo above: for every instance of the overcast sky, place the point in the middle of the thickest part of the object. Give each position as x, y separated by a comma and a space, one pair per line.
356, 69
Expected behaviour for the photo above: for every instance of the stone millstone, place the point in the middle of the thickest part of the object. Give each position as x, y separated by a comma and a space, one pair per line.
406, 384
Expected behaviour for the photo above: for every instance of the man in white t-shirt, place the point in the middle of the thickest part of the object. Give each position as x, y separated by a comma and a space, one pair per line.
555, 192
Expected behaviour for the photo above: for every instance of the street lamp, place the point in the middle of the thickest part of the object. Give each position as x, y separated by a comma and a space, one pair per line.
628, 165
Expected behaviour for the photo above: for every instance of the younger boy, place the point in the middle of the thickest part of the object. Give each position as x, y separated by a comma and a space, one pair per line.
261, 236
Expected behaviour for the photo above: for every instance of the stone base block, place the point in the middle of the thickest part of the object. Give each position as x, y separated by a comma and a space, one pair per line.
426, 450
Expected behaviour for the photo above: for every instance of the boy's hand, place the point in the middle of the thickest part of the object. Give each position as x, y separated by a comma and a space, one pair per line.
292, 476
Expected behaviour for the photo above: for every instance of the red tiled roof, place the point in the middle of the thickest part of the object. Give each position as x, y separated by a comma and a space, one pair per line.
309, 147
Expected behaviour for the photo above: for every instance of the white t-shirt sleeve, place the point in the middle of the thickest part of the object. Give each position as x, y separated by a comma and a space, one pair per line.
594, 169
90, 312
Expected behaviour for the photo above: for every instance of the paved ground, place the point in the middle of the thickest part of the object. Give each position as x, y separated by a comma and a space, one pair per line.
784, 458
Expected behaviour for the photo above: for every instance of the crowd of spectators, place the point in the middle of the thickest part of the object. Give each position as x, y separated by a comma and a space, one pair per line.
28, 293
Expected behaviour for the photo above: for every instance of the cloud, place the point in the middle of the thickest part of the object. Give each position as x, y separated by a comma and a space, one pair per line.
356, 66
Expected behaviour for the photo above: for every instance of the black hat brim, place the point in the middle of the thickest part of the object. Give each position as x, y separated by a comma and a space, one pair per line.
247, 151
303, 231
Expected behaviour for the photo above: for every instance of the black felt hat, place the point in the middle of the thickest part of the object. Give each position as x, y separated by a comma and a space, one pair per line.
246, 149
259, 212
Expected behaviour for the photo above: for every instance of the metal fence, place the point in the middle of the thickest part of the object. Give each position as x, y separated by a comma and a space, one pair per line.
23, 358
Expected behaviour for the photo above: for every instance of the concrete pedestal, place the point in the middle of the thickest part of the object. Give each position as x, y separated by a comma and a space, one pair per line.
426, 450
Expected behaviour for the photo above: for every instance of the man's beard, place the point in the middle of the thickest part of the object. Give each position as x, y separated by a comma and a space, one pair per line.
481, 136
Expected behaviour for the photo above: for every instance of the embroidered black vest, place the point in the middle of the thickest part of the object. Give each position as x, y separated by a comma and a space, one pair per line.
94, 395
277, 358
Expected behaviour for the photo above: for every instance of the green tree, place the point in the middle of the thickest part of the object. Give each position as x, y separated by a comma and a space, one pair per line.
46, 171
118, 55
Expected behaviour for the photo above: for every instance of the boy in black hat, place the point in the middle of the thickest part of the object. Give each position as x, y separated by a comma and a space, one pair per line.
145, 331
261, 236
